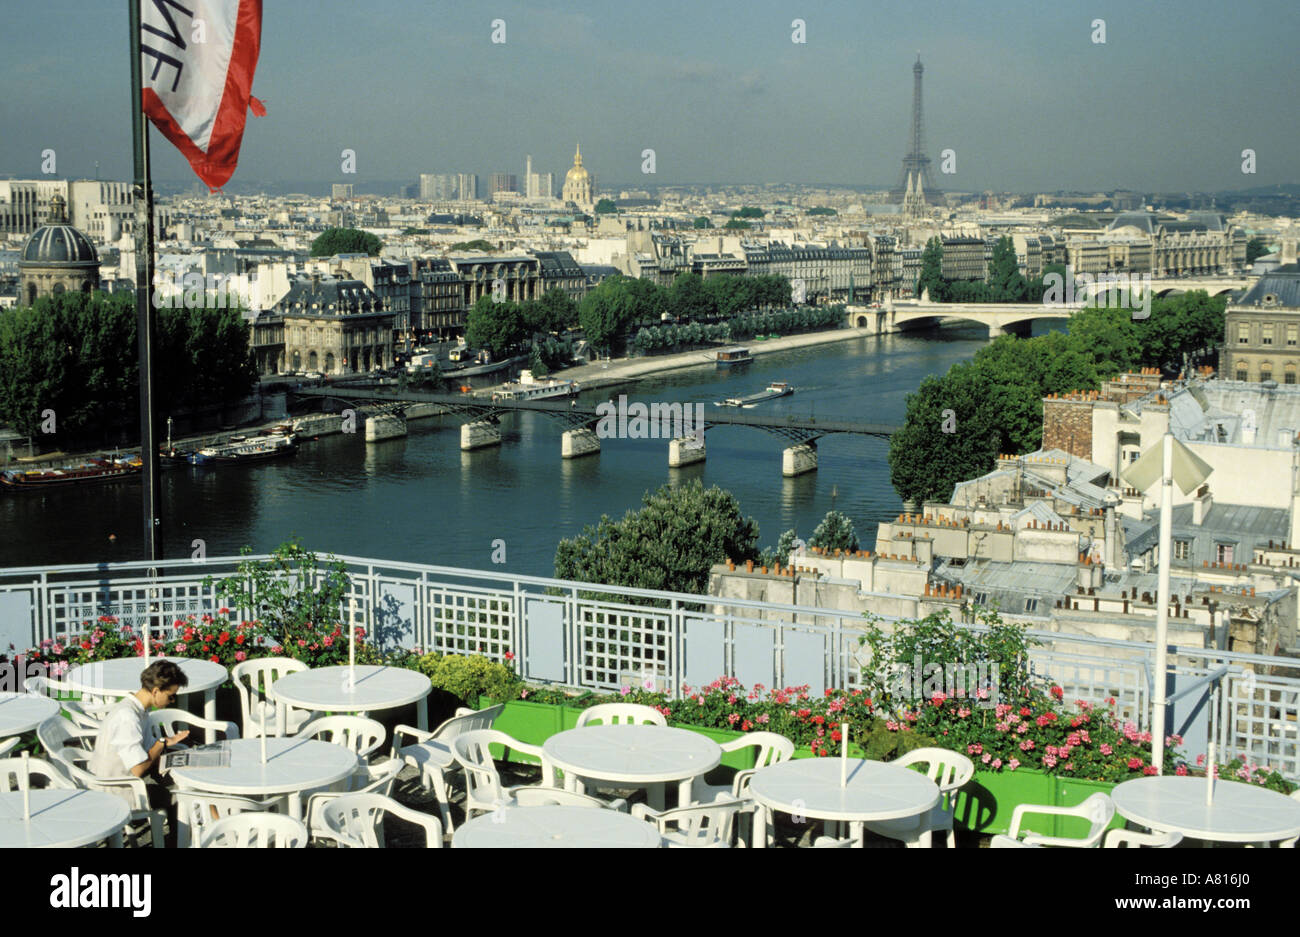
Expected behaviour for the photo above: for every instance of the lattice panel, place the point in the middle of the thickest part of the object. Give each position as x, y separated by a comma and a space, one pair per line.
613, 643
469, 623
1263, 719
70, 609
1093, 679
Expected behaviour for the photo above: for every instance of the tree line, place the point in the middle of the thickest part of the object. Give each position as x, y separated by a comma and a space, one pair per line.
778, 321
1004, 284
616, 306
75, 355
958, 423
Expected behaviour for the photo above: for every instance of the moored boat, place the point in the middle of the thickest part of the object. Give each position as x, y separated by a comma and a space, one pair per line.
529, 388
259, 449
730, 357
89, 472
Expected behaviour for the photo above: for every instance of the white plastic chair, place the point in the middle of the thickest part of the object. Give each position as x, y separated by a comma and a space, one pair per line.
11, 770
194, 813
164, 723
59, 739
91, 705
706, 826
357, 733
9, 744
369, 779
431, 751
252, 679
356, 821
1097, 809
611, 714
832, 842
1118, 839
255, 831
483, 790
772, 748
948, 769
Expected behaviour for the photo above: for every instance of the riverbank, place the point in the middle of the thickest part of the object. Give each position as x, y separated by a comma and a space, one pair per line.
628, 370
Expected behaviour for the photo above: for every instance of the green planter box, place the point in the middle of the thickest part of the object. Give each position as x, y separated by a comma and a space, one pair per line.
985, 804
1070, 792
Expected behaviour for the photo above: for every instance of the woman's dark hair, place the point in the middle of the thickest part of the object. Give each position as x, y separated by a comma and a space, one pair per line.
161, 674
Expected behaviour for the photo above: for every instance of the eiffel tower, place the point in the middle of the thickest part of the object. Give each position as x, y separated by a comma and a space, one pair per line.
916, 165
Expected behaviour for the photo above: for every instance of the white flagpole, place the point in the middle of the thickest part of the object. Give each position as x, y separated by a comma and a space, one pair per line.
1162, 607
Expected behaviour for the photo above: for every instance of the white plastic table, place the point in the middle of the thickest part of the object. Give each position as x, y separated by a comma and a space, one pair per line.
329, 689
634, 756
556, 827
122, 676
1242, 813
23, 712
62, 818
292, 765
810, 787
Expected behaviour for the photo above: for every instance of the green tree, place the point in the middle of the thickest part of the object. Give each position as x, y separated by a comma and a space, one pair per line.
1109, 336
1006, 285
735, 224
1256, 247
555, 311
486, 247
688, 299
670, 544
495, 326
607, 311
835, 532
606, 207
931, 277
749, 211
702, 222
345, 241
822, 210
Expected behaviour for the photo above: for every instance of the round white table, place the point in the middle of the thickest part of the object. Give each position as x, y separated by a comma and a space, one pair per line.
634, 756
62, 818
810, 787
1241, 813
23, 712
330, 689
292, 765
122, 676
556, 827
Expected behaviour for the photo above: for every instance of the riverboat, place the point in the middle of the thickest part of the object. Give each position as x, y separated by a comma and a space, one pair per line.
259, 449
731, 357
529, 388
89, 472
772, 391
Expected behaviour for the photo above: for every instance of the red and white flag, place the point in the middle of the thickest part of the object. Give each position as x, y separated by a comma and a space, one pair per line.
197, 59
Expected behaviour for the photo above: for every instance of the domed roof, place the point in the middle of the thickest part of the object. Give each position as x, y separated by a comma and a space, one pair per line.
58, 243
577, 173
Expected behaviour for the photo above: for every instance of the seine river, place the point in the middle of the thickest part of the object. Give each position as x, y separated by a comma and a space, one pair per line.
420, 499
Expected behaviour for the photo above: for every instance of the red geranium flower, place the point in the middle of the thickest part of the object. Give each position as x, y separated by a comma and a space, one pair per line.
1058, 692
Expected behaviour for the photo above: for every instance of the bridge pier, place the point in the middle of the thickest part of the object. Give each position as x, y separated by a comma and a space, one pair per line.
995, 331
575, 443
799, 459
381, 426
479, 435
685, 451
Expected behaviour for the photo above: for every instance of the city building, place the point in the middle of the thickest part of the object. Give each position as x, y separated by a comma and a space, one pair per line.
1262, 326
502, 182
332, 324
57, 258
579, 185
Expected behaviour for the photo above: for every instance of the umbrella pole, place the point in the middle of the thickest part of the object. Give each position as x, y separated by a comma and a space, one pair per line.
1160, 699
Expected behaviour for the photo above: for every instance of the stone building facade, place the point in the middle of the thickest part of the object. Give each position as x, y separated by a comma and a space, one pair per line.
1262, 328
333, 325
57, 258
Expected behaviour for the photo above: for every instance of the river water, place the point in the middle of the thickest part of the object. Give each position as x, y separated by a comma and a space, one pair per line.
420, 499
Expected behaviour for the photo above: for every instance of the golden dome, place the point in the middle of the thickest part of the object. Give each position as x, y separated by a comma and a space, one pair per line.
577, 173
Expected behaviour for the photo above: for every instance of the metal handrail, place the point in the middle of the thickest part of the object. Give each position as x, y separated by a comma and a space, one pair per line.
1212, 677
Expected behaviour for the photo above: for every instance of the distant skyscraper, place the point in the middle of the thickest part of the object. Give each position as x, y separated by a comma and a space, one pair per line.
502, 182
467, 186
341, 190
916, 165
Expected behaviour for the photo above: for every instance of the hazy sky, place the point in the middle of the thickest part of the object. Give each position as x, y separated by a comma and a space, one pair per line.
1017, 88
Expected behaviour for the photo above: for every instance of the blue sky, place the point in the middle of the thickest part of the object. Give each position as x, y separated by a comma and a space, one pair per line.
1019, 91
